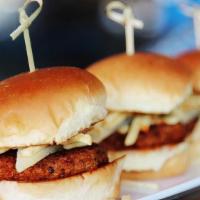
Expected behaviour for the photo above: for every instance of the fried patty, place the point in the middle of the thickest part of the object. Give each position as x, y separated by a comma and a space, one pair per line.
196, 92
155, 136
62, 164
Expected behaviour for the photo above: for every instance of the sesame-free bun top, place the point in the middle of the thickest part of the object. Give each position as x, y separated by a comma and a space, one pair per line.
49, 106
191, 60
144, 82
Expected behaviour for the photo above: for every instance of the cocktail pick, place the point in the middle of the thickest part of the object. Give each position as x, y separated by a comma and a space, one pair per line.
123, 14
25, 22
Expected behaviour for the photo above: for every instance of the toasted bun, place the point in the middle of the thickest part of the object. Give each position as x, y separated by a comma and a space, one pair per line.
100, 184
144, 82
192, 61
48, 106
154, 163
195, 152
175, 166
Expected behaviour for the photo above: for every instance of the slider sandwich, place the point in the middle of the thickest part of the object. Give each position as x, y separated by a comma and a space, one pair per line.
46, 151
147, 119
191, 60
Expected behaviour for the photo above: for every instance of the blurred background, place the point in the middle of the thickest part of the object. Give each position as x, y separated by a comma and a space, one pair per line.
77, 32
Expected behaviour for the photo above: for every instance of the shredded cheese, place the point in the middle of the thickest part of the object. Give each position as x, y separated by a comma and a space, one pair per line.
123, 129
192, 102
27, 157
74, 145
137, 124
183, 114
180, 116
116, 121
79, 140
105, 128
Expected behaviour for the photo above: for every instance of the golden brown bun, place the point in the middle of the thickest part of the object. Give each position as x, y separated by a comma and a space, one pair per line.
154, 163
100, 184
48, 105
175, 166
144, 82
191, 60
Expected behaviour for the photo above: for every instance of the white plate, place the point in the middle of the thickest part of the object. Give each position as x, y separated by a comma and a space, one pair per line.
153, 190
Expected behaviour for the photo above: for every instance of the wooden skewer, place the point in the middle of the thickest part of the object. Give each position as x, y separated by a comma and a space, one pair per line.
123, 14
25, 22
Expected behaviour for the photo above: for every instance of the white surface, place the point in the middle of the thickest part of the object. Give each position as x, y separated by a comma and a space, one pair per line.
153, 190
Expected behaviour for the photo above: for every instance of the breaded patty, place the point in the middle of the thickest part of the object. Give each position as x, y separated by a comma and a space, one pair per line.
155, 136
55, 166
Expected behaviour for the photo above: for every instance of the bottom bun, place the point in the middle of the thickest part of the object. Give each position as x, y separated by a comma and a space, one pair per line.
195, 152
166, 161
101, 184
175, 166
195, 144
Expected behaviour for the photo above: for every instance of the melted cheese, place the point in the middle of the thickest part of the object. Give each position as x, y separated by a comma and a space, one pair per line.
120, 122
141, 160
123, 129
27, 157
145, 121
79, 140
192, 102
105, 128
183, 114
137, 124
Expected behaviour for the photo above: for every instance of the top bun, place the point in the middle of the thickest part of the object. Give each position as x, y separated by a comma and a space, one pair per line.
49, 106
192, 61
144, 82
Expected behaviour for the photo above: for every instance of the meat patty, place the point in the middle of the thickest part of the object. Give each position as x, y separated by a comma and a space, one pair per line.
155, 136
55, 166
196, 92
